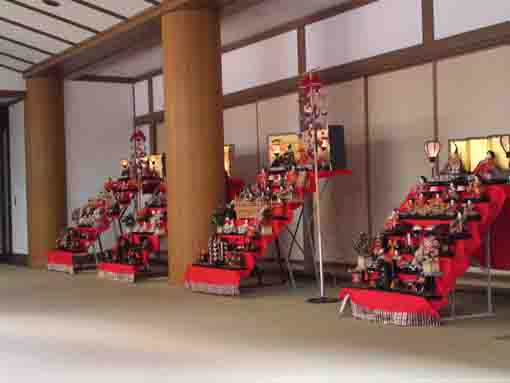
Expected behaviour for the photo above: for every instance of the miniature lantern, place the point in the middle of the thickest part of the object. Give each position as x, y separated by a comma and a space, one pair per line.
505, 144
432, 149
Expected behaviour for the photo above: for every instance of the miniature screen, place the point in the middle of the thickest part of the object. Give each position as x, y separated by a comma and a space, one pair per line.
474, 150
228, 158
300, 144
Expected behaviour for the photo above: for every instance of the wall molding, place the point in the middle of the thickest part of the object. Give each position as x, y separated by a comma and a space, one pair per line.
427, 8
297, 24
468, 42
110, 79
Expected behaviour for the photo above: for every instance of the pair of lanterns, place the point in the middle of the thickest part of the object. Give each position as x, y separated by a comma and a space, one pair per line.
433, 147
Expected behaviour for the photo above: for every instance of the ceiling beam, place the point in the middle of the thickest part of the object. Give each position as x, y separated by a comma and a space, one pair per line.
25, 45
100, 9
17, 58
11, 68
111, 79
115, 39
54, 16
37, 31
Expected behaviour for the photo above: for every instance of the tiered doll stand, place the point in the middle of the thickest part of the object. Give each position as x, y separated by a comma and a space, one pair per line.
226, 281
489, 233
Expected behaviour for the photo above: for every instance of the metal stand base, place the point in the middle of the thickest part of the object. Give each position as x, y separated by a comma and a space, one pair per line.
490, 313
322, 300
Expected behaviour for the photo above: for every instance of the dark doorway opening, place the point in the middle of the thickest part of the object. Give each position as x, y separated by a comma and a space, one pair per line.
5, 188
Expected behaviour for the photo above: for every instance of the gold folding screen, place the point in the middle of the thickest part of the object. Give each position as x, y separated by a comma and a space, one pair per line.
473, 150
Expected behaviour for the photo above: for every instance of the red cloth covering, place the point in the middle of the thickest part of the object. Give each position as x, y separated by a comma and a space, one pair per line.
60, 257
212, 276
196, 275
117, 268
494, 213
390, 302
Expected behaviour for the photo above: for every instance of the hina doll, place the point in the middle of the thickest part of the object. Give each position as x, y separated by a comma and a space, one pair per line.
457, 225
377, 250
469, 210
421, 205
452, 193
452, 208
454, 166
262, 179
392, 222
488, 168
422, 186
476, 188
437, 205
409, 207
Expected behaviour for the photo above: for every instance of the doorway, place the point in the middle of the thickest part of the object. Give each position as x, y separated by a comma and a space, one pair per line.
5, 188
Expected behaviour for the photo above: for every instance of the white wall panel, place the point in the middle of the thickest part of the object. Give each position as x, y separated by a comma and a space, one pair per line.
141, 98
344, 203
158, 93
240, 126
452, 17
473, 103
371, 30
401, 119
129, 63
18, 179
10, 80
269, 14
260, 63
98, 124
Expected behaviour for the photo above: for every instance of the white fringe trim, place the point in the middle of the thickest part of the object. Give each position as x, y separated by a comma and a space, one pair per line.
206, 288
394, 318
61, 268
121, 277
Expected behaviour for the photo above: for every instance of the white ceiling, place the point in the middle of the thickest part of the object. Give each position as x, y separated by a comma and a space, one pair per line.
25, 43
16, 41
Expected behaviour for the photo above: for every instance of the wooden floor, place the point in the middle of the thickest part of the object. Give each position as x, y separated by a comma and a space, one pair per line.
59, 328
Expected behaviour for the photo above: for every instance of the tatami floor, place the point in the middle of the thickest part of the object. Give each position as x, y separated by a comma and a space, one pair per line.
57, 328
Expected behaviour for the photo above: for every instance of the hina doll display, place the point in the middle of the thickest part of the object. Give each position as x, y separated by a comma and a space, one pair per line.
488, 168
452, 193
421, 187
454, 167
476, 190
392, 222
437, 206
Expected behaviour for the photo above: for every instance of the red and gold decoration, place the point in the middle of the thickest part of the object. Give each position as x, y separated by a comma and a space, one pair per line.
405, 274
135, 205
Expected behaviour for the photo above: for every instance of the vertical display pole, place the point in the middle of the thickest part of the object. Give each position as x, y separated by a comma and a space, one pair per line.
318, 243
317, 208
488, 260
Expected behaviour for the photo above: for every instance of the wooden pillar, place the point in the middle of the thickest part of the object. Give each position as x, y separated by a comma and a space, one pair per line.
45, 162
193, 119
